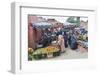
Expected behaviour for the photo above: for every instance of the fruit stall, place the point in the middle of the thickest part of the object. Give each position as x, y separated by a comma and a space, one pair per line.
43, 53
83, 43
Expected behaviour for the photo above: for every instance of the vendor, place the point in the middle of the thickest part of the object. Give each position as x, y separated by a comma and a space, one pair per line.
61, 43
65, 39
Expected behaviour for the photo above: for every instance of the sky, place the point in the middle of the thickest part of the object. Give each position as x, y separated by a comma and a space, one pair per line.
62, 19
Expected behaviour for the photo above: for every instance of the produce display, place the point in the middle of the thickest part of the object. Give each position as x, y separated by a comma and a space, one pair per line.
47, 52
83, 38
30, 52
48, 49
83, 43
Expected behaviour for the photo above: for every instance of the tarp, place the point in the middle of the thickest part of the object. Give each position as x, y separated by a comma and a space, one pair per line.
42, 25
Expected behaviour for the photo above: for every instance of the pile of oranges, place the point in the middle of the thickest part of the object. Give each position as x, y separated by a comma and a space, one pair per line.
51, 49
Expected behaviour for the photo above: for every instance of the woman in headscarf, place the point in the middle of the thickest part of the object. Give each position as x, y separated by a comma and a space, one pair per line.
65, 39
61, 43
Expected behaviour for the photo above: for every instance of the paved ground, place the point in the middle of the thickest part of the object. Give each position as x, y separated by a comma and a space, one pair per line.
72, 54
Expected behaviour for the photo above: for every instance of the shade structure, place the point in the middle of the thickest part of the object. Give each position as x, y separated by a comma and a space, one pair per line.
68, 23
42, 25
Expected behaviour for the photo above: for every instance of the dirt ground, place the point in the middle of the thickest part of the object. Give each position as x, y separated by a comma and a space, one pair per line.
72, 54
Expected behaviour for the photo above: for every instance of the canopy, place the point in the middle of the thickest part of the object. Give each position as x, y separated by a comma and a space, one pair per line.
42, 25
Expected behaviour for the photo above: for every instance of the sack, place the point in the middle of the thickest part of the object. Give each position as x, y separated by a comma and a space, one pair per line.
73, 46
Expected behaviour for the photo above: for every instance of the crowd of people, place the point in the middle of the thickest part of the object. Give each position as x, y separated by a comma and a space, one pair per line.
62, 38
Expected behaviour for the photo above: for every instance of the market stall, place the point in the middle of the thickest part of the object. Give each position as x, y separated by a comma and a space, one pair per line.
83, 40
43, 53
